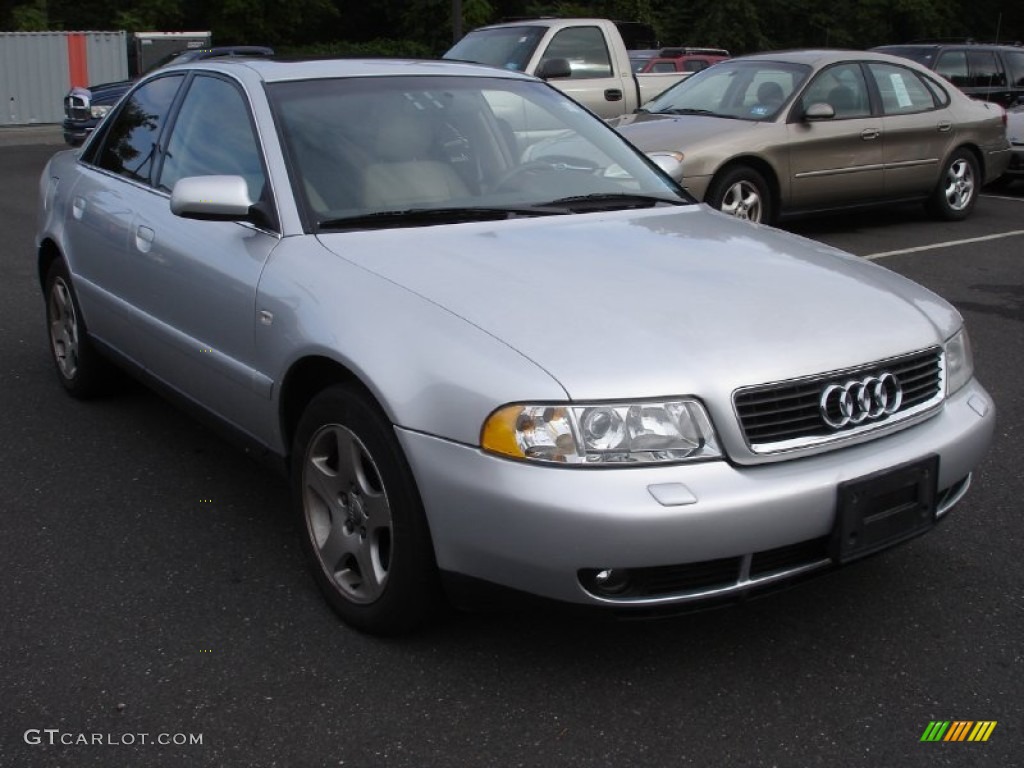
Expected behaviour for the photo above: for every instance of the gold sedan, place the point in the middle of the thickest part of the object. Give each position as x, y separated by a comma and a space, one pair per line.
780, 134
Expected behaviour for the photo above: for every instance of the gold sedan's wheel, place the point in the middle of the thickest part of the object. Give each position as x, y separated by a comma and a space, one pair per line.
742, 192
957, 191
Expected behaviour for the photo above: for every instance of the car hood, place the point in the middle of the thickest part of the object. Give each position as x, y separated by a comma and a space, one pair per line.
658, 302
652, 132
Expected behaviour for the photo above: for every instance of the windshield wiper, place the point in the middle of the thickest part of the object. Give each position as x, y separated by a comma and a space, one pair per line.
613, 201
424, 217
704, 112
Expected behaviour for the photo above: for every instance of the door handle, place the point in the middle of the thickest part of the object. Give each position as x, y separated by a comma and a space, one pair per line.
945, 126
870, 133
613, 94
144, 237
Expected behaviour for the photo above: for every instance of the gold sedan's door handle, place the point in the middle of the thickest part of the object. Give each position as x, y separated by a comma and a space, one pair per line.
870, 133
945, 126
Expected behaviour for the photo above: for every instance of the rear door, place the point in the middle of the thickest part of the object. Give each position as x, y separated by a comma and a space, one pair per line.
115, 172
918, 128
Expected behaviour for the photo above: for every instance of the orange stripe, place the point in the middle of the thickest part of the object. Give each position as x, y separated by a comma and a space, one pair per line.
78, 61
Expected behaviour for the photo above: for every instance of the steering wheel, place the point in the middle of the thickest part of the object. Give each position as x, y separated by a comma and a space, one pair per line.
551, 163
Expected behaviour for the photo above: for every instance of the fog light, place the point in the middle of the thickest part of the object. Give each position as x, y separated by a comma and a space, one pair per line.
608, 581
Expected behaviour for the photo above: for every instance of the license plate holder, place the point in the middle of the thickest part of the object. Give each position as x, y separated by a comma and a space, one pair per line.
882, 509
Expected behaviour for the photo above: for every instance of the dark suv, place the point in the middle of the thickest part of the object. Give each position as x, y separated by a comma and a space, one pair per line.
85, 107
981, 70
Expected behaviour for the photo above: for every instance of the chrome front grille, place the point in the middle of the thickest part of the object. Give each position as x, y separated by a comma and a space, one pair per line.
790, 415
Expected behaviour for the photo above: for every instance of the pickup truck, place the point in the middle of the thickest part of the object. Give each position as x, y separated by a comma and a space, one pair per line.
584, 58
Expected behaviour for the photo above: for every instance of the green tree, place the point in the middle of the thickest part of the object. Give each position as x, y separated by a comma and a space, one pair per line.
30, 17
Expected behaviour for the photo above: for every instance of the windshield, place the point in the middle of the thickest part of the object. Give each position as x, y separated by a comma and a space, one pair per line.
475, 147
505, 47
741, 90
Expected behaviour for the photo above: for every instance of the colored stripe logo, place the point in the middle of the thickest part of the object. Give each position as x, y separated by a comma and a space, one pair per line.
958, 730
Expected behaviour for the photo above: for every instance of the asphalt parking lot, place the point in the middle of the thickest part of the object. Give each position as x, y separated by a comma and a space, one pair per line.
154, 585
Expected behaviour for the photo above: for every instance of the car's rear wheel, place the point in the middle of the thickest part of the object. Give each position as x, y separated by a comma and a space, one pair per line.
742, 192
80, 368
957, 191
363, 524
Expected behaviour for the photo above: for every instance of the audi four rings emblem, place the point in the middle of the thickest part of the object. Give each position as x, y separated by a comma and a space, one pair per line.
860, 400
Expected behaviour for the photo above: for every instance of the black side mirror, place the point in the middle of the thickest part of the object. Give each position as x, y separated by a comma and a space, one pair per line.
552, 69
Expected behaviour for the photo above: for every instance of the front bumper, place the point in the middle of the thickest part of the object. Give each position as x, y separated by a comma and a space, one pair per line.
77, 131
535, 528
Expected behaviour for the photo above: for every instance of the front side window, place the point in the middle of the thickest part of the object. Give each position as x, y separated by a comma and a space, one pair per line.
585, 50
213, 136
843, 88
952, 65
129, 146
902, 91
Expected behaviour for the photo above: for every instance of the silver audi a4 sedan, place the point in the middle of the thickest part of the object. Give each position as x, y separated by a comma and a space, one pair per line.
486, 366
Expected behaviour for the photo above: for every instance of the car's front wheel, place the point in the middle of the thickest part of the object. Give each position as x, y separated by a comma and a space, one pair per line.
80, 368
957, 191
742, 192
363, 524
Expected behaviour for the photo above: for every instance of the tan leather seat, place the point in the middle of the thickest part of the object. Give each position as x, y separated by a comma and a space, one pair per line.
408, 172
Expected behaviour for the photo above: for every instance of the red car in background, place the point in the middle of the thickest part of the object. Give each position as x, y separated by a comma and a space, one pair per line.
676, 59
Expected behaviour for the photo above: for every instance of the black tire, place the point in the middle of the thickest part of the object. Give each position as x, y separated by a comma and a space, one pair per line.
362, 521
957, 191
82, 371
742, 192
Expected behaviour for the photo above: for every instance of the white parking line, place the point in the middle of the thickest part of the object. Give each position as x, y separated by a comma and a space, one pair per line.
947, 244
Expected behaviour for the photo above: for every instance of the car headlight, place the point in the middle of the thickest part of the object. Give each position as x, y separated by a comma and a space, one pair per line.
959, 362
670, 162
99, 110
602, 434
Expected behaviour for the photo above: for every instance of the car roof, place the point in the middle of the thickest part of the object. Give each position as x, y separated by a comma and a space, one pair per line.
276, 70
817, 57
931, 46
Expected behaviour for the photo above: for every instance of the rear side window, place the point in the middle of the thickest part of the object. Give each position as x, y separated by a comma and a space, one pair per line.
985, 69
130, 144
842, 87
663, 66
902, 91
1015, 62
584, 48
